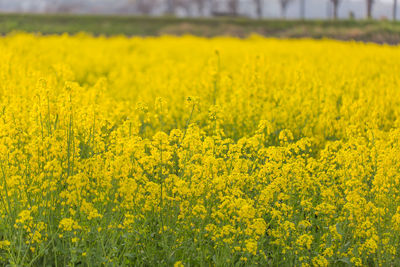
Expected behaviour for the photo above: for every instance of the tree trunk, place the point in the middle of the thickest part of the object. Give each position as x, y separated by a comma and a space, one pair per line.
283, 9
302, 9
369, 8
395, 10
335, 10
213, 7
335, 7
144, 6
259, 8
170, 7
233, 7
283, 12
200, 8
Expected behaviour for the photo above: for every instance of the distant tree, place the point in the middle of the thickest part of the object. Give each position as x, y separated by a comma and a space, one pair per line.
259, 8
302, 9
335, 5
233, 7
214, 6
170, 7
201, 5
145, 6
284, 5
370, 3
183, 4
394, 9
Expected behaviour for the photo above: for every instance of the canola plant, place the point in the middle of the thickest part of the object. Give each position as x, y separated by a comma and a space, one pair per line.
185, 151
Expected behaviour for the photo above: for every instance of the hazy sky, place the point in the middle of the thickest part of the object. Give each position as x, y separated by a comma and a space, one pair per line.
314, 8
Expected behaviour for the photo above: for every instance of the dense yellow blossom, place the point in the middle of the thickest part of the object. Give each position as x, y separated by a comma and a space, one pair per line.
188, 151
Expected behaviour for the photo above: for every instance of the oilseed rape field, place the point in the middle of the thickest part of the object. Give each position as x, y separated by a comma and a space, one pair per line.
187, 151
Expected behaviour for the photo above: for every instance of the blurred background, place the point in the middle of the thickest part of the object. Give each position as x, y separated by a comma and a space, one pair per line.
360, 20
290, 9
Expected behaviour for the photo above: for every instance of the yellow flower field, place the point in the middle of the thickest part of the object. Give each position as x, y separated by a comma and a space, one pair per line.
198, 152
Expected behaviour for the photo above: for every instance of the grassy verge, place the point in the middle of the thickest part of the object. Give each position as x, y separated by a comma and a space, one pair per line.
373, 31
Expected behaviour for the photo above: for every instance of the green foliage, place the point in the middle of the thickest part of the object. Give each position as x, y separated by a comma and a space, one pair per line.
361, 30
